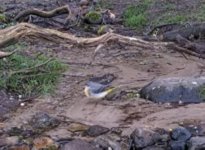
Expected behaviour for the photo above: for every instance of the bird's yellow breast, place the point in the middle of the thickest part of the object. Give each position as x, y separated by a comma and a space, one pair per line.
86, 91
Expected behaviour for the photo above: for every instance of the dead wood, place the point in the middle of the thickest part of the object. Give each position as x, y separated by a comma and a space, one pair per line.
184, 36
163, 28
183, 42
189, 31
31, 69
6, 54
14, 33
22, 30
45, 14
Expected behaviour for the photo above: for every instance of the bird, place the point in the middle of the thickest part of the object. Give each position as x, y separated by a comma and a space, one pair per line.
97, 90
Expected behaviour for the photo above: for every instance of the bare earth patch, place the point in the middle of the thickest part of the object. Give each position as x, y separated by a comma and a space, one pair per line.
131, 67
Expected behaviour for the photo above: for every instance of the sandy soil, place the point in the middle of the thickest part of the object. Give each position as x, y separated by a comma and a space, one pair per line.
131, 67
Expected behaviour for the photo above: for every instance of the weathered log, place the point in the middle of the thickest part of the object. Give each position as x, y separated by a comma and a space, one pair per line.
191, 31
6, 54
45, 14
14, 33
22, 30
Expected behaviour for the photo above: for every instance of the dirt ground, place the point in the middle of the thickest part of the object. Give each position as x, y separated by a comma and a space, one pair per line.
132, 67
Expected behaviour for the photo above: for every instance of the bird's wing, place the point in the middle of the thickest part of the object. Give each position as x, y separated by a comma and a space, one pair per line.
97, 87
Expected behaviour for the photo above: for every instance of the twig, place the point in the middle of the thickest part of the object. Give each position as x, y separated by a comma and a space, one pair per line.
6, 54
184, 50
29, 70
46, 14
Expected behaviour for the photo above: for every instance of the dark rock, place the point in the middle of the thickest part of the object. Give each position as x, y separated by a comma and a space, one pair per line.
79, 145
180, 134
15, 131
42, 122
183, 89
154, 148
195, 130
177, 145
196, 143
165, 136
84, 2
142, 138
96, 130
116, 130
200, 129
108, 141
8, 103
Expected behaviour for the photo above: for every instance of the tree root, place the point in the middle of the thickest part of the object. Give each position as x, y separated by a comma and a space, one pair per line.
46, 14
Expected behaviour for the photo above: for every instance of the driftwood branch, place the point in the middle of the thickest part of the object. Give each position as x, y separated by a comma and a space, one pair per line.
6, 54
45, 14
22, 30
14, 33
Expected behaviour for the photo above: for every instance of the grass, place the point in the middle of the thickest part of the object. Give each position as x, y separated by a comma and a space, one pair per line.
136, 16
169, 18
172, 15
149, 13
104, 4
2, 18
199, 15
19, 75
93, 16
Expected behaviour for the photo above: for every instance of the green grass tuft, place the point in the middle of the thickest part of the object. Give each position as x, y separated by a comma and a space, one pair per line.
93, 16
170, 18
2, 18
104, 4
135, 16
21, 74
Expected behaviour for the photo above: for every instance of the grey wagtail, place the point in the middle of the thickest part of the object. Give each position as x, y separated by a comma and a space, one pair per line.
97, 90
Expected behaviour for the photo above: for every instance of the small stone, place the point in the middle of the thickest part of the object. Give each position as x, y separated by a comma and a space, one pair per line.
84, 2
108, 141
20, 147
11, 98
43, 142
196, 143
109, 148
79, 145
180, 134
142, 137
43, 122
22, 104
116, 130
59, 133
154, 148
177, 145
96, 130
76, 127
13, 140
180, 102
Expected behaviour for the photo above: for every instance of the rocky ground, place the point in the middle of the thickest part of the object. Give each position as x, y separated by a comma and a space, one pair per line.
67, 120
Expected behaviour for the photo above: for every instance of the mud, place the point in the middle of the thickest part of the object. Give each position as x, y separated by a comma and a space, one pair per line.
133, 69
